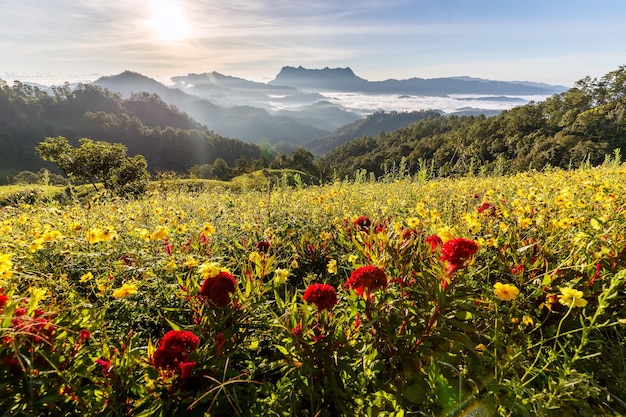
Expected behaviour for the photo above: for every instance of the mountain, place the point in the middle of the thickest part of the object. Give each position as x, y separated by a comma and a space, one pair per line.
344, 79
244, 122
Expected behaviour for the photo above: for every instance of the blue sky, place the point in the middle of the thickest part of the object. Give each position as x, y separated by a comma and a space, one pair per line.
552, 41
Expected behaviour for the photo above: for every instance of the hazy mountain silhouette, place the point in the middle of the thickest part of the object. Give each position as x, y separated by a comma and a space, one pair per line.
344, 79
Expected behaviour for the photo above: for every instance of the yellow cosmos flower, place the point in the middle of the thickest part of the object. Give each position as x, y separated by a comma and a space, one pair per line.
332, 267
86, 277
326, 235
6, 265
159, 233
93, 235
190, 262
528, 321
571, 297
36, 245
280, 276
37, 294
207, 230
506, 292
254, 257
125, 290
412, 222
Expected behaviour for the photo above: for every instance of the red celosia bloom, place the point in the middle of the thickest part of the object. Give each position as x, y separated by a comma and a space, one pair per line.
185, 369
105, 365
363, 224
297, 330
174, 349
323, 296
263, 246
457, 251
434, 241
366, 279
3, 300
219, 288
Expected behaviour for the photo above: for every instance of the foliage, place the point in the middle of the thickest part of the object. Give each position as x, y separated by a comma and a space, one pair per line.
473, 296
167, 138
97, 161
576, 127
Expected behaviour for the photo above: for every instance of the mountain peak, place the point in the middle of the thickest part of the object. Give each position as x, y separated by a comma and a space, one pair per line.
330, 79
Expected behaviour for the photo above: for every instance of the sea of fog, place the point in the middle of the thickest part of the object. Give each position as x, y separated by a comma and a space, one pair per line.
367, 103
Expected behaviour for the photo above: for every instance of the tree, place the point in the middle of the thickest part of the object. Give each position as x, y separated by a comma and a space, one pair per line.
97, 161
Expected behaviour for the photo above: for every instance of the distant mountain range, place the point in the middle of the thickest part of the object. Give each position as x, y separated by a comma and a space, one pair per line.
295, 109
344, 79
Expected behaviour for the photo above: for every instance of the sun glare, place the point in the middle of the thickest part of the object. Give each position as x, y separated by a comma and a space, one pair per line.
169, 22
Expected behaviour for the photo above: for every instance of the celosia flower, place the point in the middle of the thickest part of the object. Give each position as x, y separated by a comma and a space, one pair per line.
506, 292
219, 288
185, 369
263, 246
174, 349
456, 252
105, 365
366, 279
571, 297
323, 296
125, 290
362, 224
434, 241
3, 300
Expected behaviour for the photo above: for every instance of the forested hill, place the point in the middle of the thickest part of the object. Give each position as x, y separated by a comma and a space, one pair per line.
371, 125
169, 139
584, 123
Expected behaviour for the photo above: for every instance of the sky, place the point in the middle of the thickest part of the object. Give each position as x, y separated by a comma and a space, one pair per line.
551, 41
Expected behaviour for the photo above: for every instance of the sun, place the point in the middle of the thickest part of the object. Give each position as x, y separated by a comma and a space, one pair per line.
169, 22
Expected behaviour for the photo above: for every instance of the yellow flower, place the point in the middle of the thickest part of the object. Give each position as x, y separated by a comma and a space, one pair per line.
207, 230
37, 294
86, 277
125, 290
190, 262
107, 234
6, 265
326, 235
506, 292
332, 266
524, 222
352, 258
528, 321
254, 257
93, 235
294, 263
280, 276
171, 266
160, 233
412, 222
572, 298
209, 269
36, 245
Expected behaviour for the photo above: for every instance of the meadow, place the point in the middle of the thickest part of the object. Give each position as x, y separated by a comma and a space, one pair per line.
476, 296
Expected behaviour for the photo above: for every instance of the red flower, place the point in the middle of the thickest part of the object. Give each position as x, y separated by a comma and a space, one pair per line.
219, 288
3, 300
362, 224
105, 365
174, 349
434, 241
263, 246
323, 296
297, 330
457, 251
185, 369
366, 279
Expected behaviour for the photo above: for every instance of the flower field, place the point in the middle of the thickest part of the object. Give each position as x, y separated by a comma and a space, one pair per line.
459, 297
